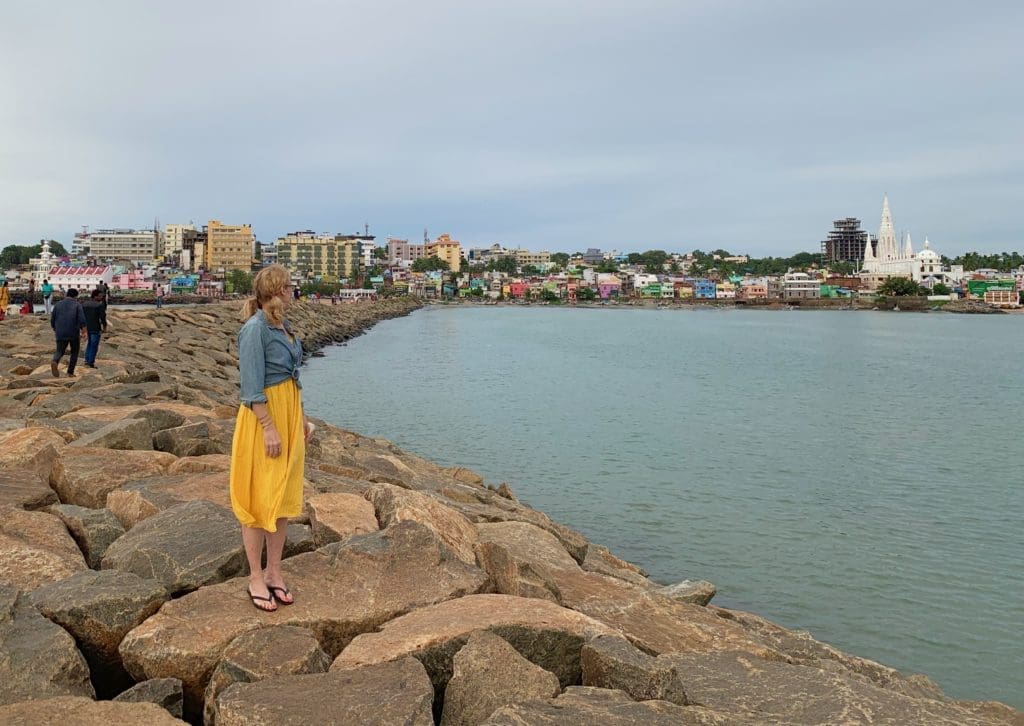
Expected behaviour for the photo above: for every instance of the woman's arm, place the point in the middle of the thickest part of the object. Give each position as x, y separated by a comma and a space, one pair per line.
271, 438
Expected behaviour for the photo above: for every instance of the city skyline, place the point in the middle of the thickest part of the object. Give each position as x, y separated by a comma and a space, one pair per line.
747, 126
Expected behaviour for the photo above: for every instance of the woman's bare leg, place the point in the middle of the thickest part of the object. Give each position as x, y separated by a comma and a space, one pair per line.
252, 540
275, 549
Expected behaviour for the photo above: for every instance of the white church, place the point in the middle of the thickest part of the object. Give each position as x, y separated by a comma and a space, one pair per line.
890, 258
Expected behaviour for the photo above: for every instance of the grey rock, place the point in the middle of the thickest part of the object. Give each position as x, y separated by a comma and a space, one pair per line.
92, 529
98, 609
25, 490
698, 593
488, 673
398, 692
582, 706
37, 658
164, 692
185, 547
279, 650
71, 429
610, 661
127, 434
198, 439
160, 418
78, 711
299, 540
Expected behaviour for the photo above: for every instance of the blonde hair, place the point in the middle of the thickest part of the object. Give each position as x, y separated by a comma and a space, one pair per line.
266, 286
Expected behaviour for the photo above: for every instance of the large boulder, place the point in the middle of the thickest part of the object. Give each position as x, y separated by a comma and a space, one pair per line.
488, 673
599, 559
37, 658
35, 548
335, 517
130, 434
84, 712
200, 464
198, 439
613, 662
164, 692
278, 650
394, 504
582, 706
98, 609
141, 499
698, 593
544, 633
92, 529
85, 476
24, 490
30, 450
160, 417
341, 590
384, 694
750, 688
185, 547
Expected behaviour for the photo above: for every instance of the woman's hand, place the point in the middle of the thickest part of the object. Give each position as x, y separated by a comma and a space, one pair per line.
307, 428
271, 441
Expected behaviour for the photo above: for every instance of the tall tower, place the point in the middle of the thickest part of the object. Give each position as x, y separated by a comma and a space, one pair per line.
887, 246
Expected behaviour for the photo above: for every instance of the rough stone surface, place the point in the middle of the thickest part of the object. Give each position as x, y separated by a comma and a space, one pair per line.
131, 434
85, 476
184, 547
164, 692
394, 504
334, 517
24, 490
98, 609
68, 711
37, 658
278, 650
385, 694
774, 692
544, 633
35, 548
613, 662
200, 464
30, 449
141, 499
599, 559
92, 529
698, 593
160, 418
488, 673
194, 439
299, 539
590, 706
341, 590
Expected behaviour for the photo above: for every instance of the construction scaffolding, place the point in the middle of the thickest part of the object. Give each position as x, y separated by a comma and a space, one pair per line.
845, 243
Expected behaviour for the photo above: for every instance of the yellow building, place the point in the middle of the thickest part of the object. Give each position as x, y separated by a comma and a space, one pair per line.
323, 256
228, 246
447, 249
540, 260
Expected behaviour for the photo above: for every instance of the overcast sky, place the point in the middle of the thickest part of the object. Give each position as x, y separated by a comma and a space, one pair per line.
548, 124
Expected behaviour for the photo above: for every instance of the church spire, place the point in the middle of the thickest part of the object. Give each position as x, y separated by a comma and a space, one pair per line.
887, 248
869, 255
908, 251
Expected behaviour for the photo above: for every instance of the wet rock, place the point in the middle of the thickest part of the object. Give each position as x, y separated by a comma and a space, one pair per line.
132, 503
393, 504
35, 548
613, 662
544, 633
130, 434
488, 673
184, 547
334, 517
698, 593
24, 490
98, 609
340, 590
92, 529
164, 692
279, 650
588, 706
389, 693
85, 476
85, 712
37, 658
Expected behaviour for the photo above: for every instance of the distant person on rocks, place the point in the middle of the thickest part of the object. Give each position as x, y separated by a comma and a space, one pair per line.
5, 299
269, 447
47, 290
68, 322
106, 292
30, 306
95, 324
296, 293
159, 296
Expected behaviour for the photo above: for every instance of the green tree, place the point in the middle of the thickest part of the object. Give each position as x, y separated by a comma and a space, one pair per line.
549, 295
508, 265
530, 270
608, 266
380, 253
899, 287
940, 289
239, 281
585, 294
560, 258
428, 264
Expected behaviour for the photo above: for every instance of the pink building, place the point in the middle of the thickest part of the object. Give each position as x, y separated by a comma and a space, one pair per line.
132, 280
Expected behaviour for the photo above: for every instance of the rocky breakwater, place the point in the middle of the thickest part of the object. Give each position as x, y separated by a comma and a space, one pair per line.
423, 595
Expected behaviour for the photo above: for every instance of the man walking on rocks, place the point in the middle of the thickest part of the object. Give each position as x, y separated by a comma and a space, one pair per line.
95, 324
68, 323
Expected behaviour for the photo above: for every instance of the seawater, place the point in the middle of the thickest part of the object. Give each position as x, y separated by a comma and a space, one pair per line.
853, 474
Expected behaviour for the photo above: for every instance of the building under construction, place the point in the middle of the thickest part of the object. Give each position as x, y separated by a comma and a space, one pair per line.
845, 242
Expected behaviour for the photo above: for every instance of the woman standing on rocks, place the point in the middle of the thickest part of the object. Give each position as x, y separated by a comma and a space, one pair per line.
269, 446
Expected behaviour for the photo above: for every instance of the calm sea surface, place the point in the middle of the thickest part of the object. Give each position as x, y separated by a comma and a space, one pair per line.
854, 474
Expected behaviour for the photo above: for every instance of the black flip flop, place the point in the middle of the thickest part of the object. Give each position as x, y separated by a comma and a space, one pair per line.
275, 590
264, 599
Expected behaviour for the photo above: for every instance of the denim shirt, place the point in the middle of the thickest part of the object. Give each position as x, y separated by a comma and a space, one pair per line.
266, 357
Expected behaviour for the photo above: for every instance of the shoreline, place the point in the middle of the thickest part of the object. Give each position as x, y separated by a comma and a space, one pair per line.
447, 554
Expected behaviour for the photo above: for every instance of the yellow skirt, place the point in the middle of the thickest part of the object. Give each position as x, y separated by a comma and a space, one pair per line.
264, 489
